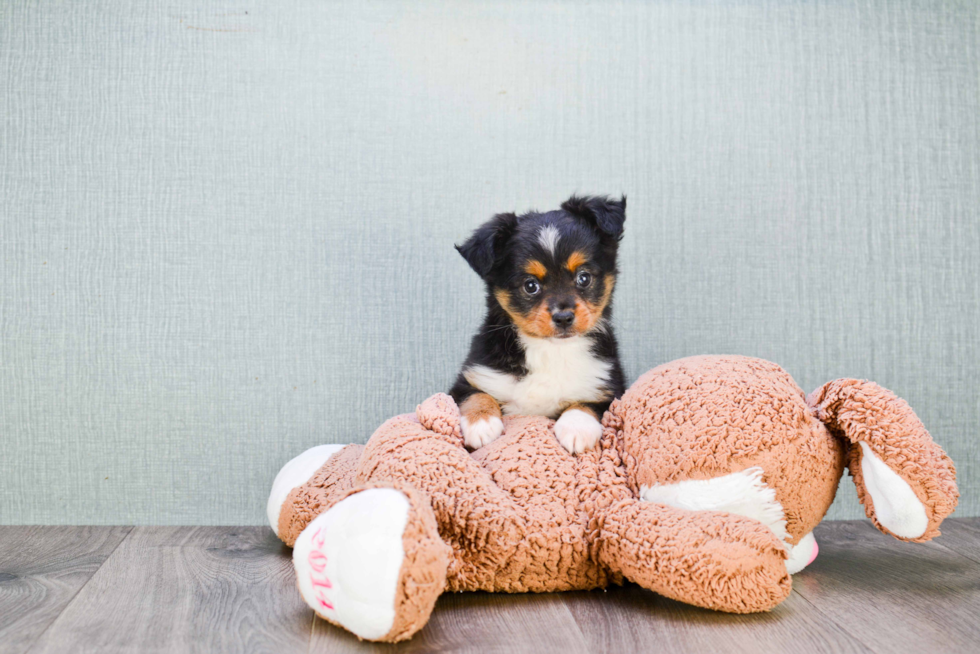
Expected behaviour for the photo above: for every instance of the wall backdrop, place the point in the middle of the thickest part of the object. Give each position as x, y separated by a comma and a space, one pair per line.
226, 230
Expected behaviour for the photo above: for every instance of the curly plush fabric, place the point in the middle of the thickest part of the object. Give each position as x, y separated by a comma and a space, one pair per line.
864, 412
705, 417
739, 465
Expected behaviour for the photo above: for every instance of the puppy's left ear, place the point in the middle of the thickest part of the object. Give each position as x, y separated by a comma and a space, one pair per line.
606, 214
484, 247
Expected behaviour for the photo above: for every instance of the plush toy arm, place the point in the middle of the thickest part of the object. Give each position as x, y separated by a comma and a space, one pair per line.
905, 481
440, 414
712, 559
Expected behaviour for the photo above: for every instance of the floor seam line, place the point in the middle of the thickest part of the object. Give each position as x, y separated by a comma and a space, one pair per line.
956, 552
122, 540
309, 645
831, 620
568, 610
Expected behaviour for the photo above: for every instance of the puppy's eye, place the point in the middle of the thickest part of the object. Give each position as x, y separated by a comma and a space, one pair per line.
583, 279
531, 287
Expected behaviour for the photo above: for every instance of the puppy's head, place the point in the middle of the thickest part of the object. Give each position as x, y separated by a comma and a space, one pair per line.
552, 273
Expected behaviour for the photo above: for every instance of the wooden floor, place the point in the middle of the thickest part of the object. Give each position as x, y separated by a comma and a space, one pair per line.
227, 589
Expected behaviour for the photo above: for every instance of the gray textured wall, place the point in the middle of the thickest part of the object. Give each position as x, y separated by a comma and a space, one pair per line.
226, 230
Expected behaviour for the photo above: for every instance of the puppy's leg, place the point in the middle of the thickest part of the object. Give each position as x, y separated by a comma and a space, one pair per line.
481, 422
578, 429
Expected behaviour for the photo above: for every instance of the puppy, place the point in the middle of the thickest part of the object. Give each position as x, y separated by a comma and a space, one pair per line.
546, 346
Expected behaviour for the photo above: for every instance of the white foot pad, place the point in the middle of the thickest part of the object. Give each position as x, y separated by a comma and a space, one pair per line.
348, 560
296, 473
578, 431
896, 506
802, 554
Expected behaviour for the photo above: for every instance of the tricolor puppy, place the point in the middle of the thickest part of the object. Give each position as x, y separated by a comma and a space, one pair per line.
546, 346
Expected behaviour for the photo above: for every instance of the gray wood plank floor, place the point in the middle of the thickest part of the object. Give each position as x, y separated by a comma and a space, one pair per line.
228, 589
41, 571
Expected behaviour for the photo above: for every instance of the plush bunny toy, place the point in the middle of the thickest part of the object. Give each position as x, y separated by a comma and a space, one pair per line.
707, 483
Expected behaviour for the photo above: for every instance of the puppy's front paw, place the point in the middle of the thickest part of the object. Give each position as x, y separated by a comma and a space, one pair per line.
578, 430
481, 431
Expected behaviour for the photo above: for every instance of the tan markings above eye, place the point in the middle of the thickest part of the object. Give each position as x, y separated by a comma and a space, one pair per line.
536, 268
575, 260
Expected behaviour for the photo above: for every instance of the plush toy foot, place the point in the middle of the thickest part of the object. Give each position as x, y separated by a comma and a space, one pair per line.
741, 493
712, 559
294, 474
373, 564
802, 554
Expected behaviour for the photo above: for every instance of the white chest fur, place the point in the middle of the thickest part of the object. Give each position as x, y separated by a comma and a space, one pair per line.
560, 372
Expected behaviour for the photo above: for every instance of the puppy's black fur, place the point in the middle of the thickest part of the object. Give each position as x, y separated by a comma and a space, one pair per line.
548, 276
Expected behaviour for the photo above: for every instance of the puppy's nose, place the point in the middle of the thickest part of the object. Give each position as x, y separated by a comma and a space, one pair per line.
563, 319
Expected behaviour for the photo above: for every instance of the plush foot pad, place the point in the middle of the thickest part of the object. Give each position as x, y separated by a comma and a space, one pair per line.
802, 554
349, 559
296, 473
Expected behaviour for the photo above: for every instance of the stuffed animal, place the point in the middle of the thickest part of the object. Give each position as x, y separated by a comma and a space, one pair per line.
705, 487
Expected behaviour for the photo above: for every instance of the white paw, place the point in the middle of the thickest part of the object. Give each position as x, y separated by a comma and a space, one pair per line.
296, 473
348, 561
578, 431
481, 432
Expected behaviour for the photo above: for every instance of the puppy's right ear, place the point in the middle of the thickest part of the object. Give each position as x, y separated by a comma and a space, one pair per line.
486, 244
606, 214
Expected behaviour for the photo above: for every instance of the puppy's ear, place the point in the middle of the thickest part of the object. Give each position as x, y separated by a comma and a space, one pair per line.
605, 214
486, 244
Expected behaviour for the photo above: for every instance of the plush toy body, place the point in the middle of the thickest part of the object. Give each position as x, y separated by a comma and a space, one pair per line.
710, 476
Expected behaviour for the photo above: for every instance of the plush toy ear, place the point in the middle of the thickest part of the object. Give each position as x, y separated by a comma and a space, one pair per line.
905, 481
486, 244
607, 215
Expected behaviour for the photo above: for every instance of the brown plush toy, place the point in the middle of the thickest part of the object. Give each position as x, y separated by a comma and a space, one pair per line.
707, 483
